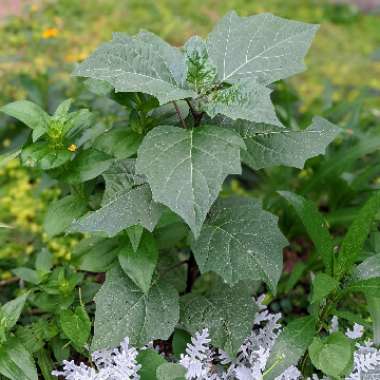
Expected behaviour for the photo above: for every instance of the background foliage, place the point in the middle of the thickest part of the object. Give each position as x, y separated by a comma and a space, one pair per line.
41, 46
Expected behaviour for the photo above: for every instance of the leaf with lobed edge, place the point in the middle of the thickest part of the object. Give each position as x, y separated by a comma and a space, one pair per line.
264, 47
226, 311
243, 100
143, 63
122, 309
185, 168
241, 241
268, 145
127, 201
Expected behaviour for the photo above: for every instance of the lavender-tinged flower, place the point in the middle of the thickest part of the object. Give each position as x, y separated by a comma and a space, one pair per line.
356, 332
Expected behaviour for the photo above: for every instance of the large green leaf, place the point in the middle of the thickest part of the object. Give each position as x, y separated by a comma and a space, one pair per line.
30, 114
370, 287
290, 346
186, 168
315, 226
139, 264
62, 212
128, 208
332, 355
369, 268
119, 178
243, 100
170, 371
122, 309
16, 363
262, 47
227, 312
357, 234
139, 64
270, 146
241, 241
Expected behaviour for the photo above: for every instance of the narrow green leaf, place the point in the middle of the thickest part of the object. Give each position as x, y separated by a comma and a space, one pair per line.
139, 265
16, 363
27, 274
315, 226
41, 155
11, 311
135, 234
357, 234
76, 325
87, 165
122, 309
370, 287
44, 261
323, 285
30, 114
45, 364
120, 143
290, 345
63, 108
61, 213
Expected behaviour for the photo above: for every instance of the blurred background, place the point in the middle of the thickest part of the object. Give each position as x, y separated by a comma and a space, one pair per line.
41, 40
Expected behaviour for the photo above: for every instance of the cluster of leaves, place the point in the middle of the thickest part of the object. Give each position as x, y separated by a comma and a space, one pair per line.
145, 191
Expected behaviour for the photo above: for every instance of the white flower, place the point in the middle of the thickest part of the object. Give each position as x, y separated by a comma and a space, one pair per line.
117, 364
198, 358
366, 360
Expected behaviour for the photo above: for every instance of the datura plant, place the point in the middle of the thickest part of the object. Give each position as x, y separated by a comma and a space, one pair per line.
145, 192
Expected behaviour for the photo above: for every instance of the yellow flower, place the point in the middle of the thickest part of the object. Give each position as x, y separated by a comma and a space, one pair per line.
50, 33
72, 148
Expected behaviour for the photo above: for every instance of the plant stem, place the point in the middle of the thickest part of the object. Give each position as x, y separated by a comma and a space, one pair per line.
197, 116
10, 281
192, 273
179, 115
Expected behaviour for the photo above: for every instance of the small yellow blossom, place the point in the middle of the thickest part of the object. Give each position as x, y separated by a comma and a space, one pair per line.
72, 148
50, 33
6, 143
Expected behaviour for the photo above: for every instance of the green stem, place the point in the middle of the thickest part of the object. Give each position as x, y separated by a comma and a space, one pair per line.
374, 310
